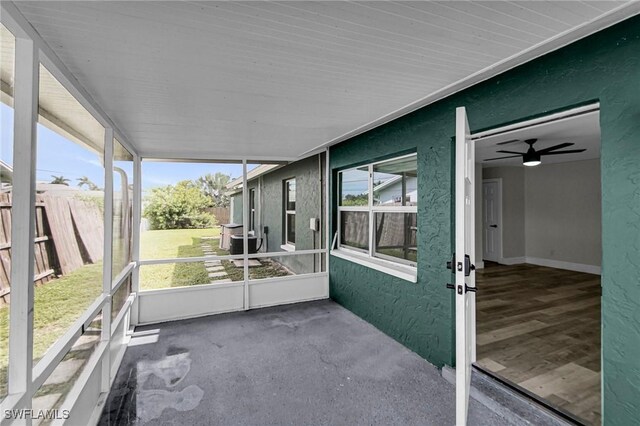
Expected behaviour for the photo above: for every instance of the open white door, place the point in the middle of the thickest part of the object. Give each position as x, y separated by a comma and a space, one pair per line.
464, 270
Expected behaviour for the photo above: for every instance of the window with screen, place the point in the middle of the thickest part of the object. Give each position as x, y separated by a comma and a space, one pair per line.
378, 209
290, 212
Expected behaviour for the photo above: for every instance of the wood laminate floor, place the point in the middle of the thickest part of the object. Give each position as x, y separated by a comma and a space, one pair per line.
540, 328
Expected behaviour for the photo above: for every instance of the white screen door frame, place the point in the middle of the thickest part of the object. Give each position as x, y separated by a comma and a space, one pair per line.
465, 279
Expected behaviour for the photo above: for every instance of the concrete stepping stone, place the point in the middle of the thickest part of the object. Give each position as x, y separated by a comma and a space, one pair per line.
215, 269
45, 402
239, 263
86, 341
64, 372
212, 263
217, 274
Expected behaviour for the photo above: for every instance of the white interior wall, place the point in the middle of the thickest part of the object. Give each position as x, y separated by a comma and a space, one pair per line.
563, 212
551, 213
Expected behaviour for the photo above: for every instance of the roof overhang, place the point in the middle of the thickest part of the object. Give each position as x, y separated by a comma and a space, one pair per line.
281, 81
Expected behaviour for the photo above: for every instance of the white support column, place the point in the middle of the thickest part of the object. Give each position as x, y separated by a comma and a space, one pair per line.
23, 222
135, 248
107, 256
245, 233
327, 215
372, 215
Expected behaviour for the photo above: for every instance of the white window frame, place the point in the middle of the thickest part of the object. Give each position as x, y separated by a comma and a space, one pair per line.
252, 209
370, 257
287, 244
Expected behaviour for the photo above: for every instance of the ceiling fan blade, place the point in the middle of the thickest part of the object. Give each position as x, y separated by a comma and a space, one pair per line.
571, 151
553, 148
501, 158
508, 142
511, 152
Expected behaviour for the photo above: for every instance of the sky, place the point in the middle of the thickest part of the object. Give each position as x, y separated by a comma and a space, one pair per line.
60, 157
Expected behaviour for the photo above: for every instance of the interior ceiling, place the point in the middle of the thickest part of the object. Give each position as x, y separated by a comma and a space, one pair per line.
276, 79
583, 130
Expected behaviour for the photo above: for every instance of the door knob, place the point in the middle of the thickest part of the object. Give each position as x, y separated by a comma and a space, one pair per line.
493, 226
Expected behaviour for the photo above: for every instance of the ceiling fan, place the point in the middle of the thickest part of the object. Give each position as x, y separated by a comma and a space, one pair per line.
532, 157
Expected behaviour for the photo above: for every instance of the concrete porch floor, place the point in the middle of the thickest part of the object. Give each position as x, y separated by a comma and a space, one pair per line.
305, 364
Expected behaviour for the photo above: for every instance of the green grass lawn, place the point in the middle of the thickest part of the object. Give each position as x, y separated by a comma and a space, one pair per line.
171, 244
188, 243
57, 304
166, 244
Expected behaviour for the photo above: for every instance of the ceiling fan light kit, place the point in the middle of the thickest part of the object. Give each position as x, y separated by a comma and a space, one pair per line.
531, 158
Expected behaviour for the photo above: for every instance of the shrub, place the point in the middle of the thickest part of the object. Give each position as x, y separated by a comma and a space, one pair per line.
180, 206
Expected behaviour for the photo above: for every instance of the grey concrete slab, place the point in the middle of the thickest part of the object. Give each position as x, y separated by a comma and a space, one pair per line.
305, 364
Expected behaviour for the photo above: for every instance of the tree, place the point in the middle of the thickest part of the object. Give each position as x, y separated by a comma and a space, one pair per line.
355, 200
60, 180
85, 181
180, 206
214, 188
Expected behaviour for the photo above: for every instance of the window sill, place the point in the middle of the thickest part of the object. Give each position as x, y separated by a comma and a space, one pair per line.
288, 247
407, 273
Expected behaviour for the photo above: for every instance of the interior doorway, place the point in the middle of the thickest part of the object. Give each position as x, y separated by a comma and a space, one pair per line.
538, 302
491, 220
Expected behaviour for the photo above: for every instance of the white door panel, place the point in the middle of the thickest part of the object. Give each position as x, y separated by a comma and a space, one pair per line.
465, 245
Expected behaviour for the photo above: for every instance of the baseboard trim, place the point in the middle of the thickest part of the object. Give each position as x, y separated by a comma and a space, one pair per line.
512, 260
570, 266
480, 265
550, 263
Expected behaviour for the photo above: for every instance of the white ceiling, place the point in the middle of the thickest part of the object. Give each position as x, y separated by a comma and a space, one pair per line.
276, 79
582, 130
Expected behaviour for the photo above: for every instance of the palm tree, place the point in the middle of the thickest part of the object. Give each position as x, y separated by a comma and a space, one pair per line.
214, 187
86, 181
60, 180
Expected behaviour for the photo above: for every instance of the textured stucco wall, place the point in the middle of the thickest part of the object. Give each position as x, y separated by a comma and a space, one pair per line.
236, 201
604, 67
308, 204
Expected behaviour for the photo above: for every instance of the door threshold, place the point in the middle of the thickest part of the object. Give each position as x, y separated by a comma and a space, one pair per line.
489, 383
512, 401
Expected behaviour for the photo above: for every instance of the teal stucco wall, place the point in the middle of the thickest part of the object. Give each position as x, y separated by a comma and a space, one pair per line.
604, 67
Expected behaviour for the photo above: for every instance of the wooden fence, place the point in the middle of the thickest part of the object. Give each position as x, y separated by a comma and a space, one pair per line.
69, 233
222, 214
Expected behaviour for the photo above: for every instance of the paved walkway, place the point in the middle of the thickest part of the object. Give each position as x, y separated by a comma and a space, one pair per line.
304, 364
